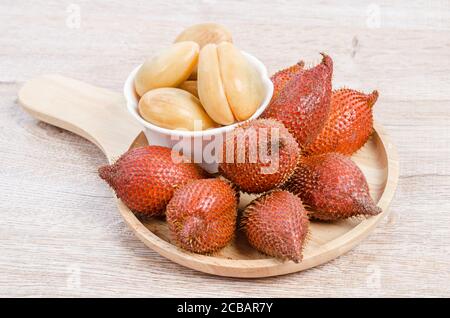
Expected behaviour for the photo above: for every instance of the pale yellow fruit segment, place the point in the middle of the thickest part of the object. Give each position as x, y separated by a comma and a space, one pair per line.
210, 86
242, 84
190, 86
205, 33
169, 68
174, 108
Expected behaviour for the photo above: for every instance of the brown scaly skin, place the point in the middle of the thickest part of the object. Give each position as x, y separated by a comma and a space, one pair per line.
281, 78
145, 178
257, 176
276, 224
202, 215
303, 103
350, 123
333, 187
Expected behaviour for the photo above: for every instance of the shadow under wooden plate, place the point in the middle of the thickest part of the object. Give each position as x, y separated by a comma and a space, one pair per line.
100, 116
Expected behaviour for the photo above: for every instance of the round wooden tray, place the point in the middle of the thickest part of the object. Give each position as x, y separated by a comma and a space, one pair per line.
100, 116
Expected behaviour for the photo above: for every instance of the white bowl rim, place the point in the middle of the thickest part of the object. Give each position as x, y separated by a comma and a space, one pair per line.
131, 95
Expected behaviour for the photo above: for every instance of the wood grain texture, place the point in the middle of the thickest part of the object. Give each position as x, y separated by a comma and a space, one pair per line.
60, 233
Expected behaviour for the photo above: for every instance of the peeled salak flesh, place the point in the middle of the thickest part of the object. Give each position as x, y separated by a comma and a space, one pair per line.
205, 33
190, 86
174, 108
229, 86
169, 68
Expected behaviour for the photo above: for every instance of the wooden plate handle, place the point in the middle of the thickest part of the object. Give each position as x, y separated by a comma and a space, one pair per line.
94, 113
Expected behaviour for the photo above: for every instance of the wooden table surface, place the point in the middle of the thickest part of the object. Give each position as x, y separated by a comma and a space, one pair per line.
60, 231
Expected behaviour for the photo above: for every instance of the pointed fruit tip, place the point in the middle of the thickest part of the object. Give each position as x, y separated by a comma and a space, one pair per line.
368, 207
326, 60
102, 171
373, 97
105, 173
296, 258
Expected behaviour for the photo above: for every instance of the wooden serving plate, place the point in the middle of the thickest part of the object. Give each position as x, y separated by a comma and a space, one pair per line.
100, 116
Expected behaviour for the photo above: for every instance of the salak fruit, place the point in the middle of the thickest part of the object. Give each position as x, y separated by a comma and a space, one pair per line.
145, 178
277, 224
302, 103
280, 78
202, 215
332, 186
259, 155
350, 123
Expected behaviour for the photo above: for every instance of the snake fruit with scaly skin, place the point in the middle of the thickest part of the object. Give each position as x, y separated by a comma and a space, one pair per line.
145, 178
333, 187
350, 123
302, 100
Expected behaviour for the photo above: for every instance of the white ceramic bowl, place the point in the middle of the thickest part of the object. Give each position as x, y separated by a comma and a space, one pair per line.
194, 144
